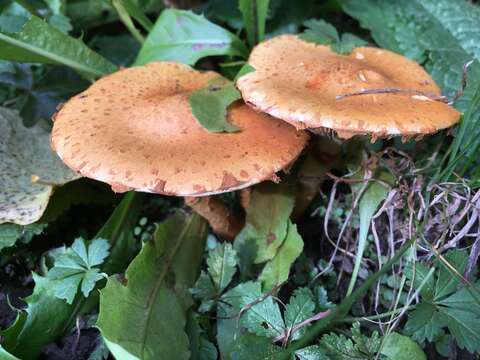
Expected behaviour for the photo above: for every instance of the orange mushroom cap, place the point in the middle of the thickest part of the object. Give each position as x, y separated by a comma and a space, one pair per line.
134, 130
303, 83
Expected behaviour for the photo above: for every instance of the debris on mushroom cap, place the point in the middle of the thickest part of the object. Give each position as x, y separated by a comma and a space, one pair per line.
303, 83
134, 130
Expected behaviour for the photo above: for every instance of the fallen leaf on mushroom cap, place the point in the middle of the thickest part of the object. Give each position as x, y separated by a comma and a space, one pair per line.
135, 129
303, 83
29, 170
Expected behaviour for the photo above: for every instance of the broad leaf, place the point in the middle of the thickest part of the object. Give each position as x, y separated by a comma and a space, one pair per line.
29, 170
276, 270
270, 231
144, 317
209, 105
254, 13
400, 347
40, 42
185, 37
5, 355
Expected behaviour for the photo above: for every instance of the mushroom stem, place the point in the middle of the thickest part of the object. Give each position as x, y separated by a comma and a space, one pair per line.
222, 220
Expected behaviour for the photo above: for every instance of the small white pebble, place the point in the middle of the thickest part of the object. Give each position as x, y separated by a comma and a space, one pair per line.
421, 98
359, 56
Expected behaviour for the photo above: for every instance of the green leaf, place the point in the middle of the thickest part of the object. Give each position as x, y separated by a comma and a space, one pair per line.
375, 193
144, 317
254, 13
339, 347
206, 291
222, 262
26, 152
417, 273
300, 308
321, 32
5, 355
313, 352
262, 318
9, 233
185, 37
74, 268
40, 42
424, 323
124, 16
46, 317
209, 105
399, 347
268, 232
464, 326
276, 270
253, 347
137, 13
447, 281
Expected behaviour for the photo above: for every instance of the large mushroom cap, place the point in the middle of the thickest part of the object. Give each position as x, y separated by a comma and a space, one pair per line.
135, 130
299, 82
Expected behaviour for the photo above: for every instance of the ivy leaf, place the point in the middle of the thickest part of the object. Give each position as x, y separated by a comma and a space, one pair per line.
321, 32
37, 41
209, 105
276, 271
400, 347
268, 232
145, 316
300, 308
254, 13
76, 267
185, 37
28, 170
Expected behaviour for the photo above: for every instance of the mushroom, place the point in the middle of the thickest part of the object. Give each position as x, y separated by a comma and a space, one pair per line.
369, 92
134, 129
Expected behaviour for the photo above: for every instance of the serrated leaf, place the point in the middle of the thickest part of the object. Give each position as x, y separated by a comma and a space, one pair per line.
185, 37
300, 308
155, 296
205, 290
321, 32
424, 323
40, 42
72, 268
270, 231
313, 352
417, 273
253, 347
222, 262
209, 105
254, 13
276, 271
262, 318
399, 347
26, 152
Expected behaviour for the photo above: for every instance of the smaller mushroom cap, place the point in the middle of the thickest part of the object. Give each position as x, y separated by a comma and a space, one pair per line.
135, 130
300, 82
